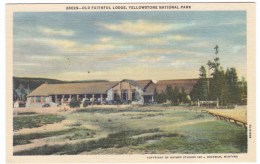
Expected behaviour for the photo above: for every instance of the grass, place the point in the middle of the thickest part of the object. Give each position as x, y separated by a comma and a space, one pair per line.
213, 137
72, 134
220, 133
76, 124
113, 110
20, 122
27, 113
115, 140
144, 114
141, 130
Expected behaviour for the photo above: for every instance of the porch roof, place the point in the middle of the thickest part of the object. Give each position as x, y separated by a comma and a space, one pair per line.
72, 88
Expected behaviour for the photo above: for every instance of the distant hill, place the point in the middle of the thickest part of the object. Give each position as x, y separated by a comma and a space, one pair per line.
86, 81
32, 83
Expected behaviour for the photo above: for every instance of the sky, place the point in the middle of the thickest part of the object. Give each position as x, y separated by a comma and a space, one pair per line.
126, 45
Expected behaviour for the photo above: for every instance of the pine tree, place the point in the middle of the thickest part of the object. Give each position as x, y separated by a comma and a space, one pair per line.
242, 85
223, 86
176, 96
200, 90
234, 91
163, 97
159, 97
203, 84
169, 93
183, 96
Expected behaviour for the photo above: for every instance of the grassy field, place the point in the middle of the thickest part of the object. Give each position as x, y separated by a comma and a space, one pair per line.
134, 130
30, 120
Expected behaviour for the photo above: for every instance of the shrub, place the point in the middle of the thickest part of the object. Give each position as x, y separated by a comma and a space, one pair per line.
74, 103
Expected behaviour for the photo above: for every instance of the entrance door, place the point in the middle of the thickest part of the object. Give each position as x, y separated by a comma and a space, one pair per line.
52, 98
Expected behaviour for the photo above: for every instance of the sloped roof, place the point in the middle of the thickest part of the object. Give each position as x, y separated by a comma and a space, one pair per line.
139, 83
187, 84
102, 87
150, 89
144, 83
72, 88
133, 82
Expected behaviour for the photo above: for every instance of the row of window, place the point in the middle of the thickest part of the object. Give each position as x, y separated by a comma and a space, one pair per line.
124, 95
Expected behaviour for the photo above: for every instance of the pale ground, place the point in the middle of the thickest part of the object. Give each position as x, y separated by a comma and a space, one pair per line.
56, 126
239, 113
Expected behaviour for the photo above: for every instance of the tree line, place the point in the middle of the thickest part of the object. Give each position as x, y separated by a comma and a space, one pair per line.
223, 86
174, 95
220, 85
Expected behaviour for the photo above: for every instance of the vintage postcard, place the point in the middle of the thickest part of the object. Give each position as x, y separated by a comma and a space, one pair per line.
137, 82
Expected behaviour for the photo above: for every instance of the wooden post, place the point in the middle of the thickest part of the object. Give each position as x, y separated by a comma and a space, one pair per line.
62, 99
130, 93
69, 98
101, 98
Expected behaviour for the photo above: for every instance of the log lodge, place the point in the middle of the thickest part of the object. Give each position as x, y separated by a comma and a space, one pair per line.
134, 91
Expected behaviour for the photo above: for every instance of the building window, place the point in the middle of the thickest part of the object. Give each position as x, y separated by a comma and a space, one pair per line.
115, 95
124, 95
38, 99
133, 95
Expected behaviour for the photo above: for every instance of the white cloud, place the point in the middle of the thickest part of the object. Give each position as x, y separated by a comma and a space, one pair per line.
232, 22
238, 49
169, 51
50, 31
151, 59
141, 27
154, 53
105, 39
134, 41
179, 37
73, 46
183, 63
109, 49
138, 72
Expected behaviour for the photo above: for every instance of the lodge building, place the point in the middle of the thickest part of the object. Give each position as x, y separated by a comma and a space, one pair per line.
139, 92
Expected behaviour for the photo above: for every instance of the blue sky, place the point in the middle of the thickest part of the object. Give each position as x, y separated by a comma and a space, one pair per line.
126, 45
